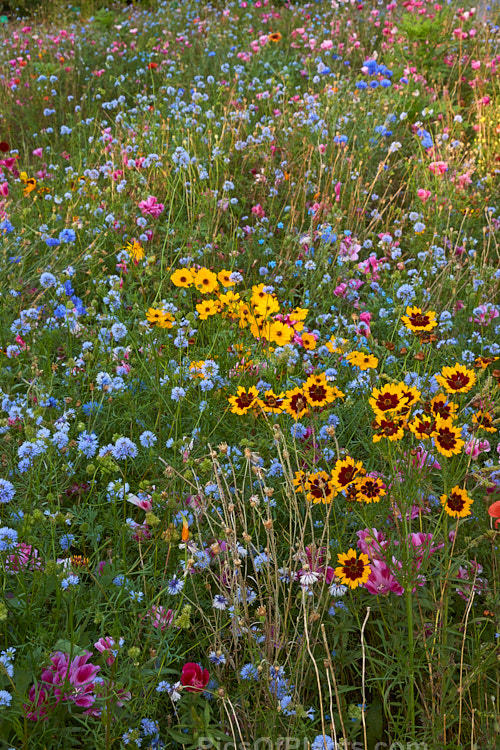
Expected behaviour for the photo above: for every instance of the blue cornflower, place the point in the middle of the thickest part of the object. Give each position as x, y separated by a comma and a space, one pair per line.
249, 672
7, 491
5, 698
67, 235
137, 596
147, 439
220, 602
47, 280
124, 448
175, 585
118, 331
322, 742
8, 538
177, 394
66, 541
71, 580
88, 443
217, 658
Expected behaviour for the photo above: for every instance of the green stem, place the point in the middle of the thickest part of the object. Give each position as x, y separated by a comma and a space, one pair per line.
411, 670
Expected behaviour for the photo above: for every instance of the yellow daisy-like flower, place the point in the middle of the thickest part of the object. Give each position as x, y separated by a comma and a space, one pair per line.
317, 391
353, 571
483, 421
388, 426
224, 278
362, 360
346, 471
296, 403
457, 504
135, 250
308, 341
447, 438
297, 317
419, 322
369, 489
456, 379
183, 277
440, 406
29, 183
423, 426
280, 333
389, 399
271, 403
266, 306
320, 488
244, 400
207, 307
206, 281
160, 318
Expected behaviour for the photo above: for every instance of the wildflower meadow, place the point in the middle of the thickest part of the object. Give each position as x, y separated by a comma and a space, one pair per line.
249, 375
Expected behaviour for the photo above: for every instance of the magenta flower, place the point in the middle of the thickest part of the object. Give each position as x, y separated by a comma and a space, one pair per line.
151, 207
381, 581
105, 647
63, 681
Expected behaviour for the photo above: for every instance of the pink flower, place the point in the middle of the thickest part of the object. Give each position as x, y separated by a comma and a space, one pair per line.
475, 447
63, 681
105, 647
160, 617
25, 557
438, 167
372, 543
381, 581
151, 207
4, 189
336, 190
258, 211
141, 502
194, 678
424, 195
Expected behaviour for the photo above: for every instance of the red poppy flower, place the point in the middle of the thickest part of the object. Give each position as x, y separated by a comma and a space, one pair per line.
494, 511
194, 678
4, 147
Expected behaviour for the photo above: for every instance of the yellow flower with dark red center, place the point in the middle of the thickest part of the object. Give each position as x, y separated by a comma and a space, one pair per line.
29, 183
457, 504
390, 427
483, 421
258, 294
412, 395
362, 360
388, 399
207, 307
224, 278
206, 281
319, 488
135, 251
308, 341
447, 437
296, 403
244, 400
271, 403
369, 489
317, 391
456, 379
299, 481
483, 362
351, 570
274, 37
183, 277
441, 407
419, 322
423, 426
346, 470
